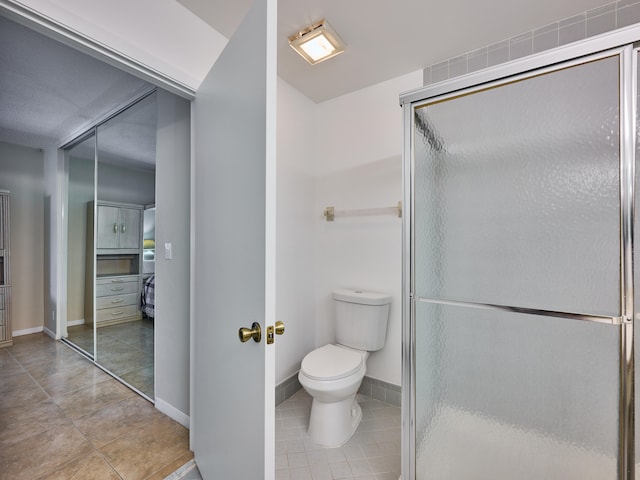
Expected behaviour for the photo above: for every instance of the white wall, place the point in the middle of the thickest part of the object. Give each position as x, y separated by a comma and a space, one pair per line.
361, 252
22, 172
344, 152
361, 127
358, 164
295, 272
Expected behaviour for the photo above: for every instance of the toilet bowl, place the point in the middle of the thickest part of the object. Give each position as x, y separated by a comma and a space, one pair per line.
332, 375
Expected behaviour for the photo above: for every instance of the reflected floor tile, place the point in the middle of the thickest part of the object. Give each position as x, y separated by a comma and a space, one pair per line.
123, 363
141, 379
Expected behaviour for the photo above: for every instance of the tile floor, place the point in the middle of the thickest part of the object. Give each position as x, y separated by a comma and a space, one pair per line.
125, 349
62, 418
373, 453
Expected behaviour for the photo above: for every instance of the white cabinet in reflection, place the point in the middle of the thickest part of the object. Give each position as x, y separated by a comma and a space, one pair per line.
116, 273
118, 227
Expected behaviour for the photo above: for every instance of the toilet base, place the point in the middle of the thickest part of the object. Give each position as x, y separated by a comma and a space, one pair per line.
333, 424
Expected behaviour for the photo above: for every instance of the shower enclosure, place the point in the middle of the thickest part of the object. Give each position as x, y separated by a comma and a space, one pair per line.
519, 269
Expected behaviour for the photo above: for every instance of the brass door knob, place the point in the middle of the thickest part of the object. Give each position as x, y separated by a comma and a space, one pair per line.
254, 332
279, 328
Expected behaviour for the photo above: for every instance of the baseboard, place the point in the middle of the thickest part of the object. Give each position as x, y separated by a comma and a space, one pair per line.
27, 331
171, 411
50, 333
75, 323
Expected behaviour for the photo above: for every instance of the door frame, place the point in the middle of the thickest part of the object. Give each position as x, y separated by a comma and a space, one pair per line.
618, 39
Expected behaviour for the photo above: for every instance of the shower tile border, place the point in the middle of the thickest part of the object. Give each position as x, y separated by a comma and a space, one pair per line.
606, 18
380, 390
287, 388
371, 387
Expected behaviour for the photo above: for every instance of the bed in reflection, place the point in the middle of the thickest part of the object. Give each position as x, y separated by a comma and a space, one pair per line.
147, 297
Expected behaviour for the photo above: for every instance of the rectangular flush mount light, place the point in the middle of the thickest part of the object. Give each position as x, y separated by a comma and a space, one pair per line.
317, 43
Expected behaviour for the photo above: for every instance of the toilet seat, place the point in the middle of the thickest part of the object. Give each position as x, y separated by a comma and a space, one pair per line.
331, 363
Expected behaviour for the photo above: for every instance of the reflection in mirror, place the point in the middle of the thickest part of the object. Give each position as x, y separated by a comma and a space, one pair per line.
81, 167
126, 147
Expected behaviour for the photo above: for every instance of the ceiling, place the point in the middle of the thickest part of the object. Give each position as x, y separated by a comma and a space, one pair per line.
386, 39
49, 91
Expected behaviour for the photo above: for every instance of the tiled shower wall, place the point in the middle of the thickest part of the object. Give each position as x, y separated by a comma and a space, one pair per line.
588, 24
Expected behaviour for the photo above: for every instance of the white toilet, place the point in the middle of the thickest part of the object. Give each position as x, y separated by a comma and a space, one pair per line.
332, 374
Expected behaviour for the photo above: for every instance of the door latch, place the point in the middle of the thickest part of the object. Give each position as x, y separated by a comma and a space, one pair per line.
278, 329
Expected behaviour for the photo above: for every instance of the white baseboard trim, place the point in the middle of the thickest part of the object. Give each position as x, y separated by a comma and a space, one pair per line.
50, 333
74, 323
172, 412
27, 331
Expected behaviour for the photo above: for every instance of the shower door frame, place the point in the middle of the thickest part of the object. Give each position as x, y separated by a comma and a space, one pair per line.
620, 42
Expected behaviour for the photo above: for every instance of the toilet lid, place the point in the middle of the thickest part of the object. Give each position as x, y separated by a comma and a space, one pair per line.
331, 362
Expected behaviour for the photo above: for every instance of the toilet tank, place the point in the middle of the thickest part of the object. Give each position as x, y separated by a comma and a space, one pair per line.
361, 318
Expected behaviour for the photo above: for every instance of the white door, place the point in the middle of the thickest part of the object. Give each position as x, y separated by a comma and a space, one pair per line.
232, 416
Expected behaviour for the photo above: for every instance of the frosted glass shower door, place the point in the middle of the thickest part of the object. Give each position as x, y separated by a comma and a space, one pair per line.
516, 277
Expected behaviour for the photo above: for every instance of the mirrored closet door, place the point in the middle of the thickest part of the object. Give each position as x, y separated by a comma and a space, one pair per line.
110, 271
80, 161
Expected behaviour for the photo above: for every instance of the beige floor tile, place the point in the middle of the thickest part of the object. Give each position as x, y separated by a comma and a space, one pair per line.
20, 422
62, 418
18, 379
57, 355
89, 467
40, 454
24, 395
113, 421
94, 397
8, 362
37, 349
58, 363
34, 338
171, 467
144, 450
69, 380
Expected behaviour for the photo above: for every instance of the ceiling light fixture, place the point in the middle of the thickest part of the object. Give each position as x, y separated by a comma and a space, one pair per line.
317, 43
